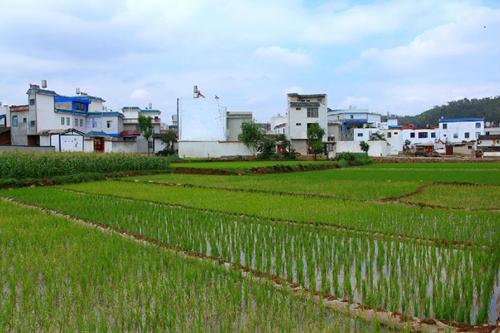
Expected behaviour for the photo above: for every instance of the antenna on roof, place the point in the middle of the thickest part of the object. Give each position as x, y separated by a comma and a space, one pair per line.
150, 105
44, 84
197, 93
78, 91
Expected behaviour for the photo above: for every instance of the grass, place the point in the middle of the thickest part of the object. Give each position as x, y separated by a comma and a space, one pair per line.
245, 165
59, 276
459, 196
477, 227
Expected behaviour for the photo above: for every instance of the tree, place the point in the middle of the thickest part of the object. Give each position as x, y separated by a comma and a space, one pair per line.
251, 134
364, 146
169, 138
315, 138
146, 128
407, 145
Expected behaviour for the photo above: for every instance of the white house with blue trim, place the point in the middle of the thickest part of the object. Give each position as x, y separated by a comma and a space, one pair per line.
459, 130
84, 119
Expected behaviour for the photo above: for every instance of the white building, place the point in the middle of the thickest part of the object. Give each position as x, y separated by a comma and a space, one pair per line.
279, 124
459, 130
49, 115
489, 145
304, 110
208, 130
350, 119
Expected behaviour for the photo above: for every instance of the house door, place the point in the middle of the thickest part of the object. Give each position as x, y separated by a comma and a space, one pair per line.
99, 145
449, 150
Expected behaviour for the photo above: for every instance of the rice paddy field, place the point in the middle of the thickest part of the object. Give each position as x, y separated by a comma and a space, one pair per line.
382, 247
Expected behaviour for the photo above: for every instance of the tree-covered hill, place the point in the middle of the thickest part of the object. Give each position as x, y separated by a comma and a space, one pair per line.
488, 107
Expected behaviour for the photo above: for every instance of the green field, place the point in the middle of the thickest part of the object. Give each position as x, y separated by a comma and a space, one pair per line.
245, 165
406, 238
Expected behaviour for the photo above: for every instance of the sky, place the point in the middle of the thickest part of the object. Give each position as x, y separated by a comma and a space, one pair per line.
397, 56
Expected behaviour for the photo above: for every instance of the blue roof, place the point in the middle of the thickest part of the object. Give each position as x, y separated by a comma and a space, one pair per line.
458, 120
62, 99
100, 133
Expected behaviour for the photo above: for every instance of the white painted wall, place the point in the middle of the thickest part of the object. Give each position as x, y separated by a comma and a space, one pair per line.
377, 148
456, 131
213, 149
46, 118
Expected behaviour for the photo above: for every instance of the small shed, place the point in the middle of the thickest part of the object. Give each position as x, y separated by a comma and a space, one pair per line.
63, 140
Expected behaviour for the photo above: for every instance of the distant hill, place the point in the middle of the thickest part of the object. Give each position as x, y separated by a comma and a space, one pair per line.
489, 108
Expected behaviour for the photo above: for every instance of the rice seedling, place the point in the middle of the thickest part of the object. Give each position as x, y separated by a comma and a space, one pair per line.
392, 274
58, 276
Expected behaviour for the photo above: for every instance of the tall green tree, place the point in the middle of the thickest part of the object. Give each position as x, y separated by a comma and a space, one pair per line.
146, 127
315, 138
169, 138
251, 135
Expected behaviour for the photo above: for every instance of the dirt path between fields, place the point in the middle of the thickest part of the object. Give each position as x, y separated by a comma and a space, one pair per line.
390, 319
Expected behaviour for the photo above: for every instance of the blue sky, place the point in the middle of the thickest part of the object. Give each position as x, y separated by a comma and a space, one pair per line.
394, 56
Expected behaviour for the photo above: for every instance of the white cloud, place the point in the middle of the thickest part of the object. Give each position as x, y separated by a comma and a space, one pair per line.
140, 94
278, 54
475, 35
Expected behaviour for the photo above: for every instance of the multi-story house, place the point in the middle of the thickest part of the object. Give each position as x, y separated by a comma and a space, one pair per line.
304, 110
75, 123
459, 130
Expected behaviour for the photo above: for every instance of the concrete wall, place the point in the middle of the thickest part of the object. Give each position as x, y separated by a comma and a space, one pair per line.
88, 145
19, 133
377, 148
46, 118
233, 126
123, 147
212, 149
26, 148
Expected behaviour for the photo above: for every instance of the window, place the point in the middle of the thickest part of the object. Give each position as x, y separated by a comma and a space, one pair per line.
360, 134
389, 134
75, 122
62, 120
396, 133
466, 135
352, 116
478, 125
32, 123
477, 135
455, 135
79, 106
94, 123
14, 121
25, 120
32, 101
67, 121
423, 135
331, 138
445, 126
298, 124
433, 134
81, 122
298, 109
108, 124
412, 134
312, 112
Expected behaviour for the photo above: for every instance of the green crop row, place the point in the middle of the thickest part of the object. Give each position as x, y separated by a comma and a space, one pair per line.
459, 196
56, 276
19, 165
474, 227
404, 276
